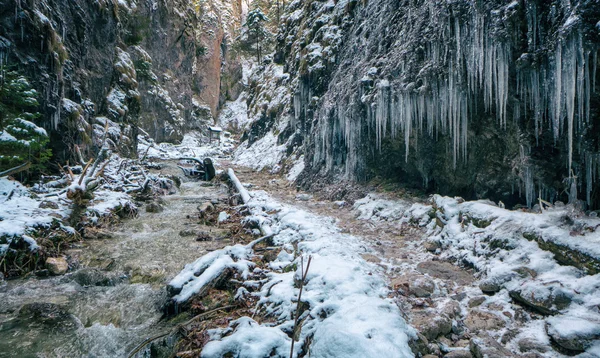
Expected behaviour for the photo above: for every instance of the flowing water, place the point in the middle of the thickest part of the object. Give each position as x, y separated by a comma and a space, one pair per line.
113, 301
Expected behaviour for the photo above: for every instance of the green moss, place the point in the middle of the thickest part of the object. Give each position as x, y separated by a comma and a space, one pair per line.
565, 255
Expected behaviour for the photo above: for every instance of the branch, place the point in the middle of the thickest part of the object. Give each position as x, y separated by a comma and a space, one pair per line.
16, 170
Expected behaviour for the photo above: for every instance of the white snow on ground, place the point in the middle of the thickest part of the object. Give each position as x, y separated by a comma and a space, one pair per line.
264, 153
19, 212
502, 256
296, 169
349, 314
234, 115
193, 145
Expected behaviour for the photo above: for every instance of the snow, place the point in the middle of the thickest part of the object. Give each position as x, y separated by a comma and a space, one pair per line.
196, 275
451, 222
192, 145
234, 114
264, 153
349, 313
296, 169
7, 137
20, 213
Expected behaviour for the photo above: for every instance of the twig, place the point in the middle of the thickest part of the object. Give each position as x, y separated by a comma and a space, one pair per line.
304, 274
87, 166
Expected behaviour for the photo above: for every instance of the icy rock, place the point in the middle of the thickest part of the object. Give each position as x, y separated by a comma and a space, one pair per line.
491, 285
48, 205
487, 347
545, 300
573, 333
432, 245
421, 286
476, 301
462, 353
529, 344
445, 271
451, 309
478, 320
431, 324
57, 265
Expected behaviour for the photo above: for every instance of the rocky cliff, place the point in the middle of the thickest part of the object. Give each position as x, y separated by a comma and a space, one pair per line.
483, 99
105, 68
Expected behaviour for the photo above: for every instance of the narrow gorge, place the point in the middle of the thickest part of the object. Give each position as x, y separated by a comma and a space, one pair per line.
300, 178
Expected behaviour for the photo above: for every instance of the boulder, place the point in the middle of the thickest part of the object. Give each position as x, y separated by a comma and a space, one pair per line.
445, 271
421, 286
476, 301
573, 333
478, 320
57, 265
431, 324
92, 277
46, 204
547, 300
487, 347
460, 353
530, 344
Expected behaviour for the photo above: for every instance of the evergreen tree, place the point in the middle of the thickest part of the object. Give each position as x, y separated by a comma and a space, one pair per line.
255, 35
21, 140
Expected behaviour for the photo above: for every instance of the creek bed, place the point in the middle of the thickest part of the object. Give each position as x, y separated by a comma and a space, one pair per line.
113, 301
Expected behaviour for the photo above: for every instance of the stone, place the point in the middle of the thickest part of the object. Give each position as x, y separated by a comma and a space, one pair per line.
476, 301
445, 271
459, 296
478, 320
49, 314
431, 324
187, 232
491, 286
92, 277
573, 333
371, 258
529, 344
461, 353
205, 208
46, 204
94, 233
487, 347
203, 236
432, 245
451, 309
547, 300
57, 265
154, 207
419, 346
421, 286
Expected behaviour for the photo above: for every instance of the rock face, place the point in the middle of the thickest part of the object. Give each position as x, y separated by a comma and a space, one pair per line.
464, 98
103, 68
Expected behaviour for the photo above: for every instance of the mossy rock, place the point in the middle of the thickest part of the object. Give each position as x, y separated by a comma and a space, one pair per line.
565, 255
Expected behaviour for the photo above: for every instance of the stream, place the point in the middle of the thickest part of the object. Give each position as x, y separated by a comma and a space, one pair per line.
113, 301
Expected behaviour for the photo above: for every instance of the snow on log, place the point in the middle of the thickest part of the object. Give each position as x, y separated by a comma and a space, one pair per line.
238, 185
